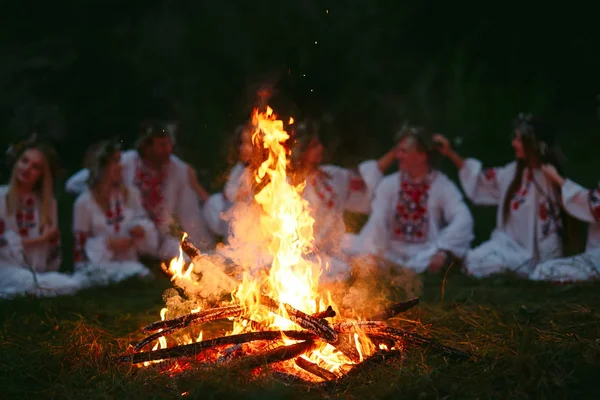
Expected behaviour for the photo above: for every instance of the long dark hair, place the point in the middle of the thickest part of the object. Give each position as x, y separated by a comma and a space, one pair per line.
539, 145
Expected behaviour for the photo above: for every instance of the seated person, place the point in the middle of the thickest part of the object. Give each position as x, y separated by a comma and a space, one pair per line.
110, 225
30, 252
583, 204
529, 221
419, 219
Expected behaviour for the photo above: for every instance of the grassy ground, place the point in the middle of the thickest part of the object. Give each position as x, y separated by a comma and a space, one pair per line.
530, 341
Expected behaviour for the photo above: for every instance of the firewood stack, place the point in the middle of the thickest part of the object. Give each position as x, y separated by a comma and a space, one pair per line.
255, 349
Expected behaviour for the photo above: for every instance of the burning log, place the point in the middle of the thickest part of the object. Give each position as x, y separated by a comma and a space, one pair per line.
212, 314
176, 324
281, 353
285, 218
315, 369
381, 330
320, 327
395, 309
215, 314
190, 250
192, 350
328, 313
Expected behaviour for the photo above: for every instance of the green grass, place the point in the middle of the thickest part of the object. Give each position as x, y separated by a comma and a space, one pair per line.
530, 340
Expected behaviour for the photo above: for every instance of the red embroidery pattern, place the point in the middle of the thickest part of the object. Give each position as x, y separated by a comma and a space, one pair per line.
149, 181
114, 215
79, 249
357, 183
411, 223
26, 216
594, 201
549, 215
324, 191
521, 194
489, 174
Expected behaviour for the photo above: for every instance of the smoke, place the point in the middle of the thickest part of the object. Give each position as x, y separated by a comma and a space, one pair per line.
374, 284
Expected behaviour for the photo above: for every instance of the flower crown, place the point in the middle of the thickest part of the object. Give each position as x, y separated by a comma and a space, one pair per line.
15, 151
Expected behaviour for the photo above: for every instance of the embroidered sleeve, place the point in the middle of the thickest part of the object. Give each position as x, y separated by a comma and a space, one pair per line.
480, 185
355, 187
594, 202
457, 234
77, 183
374, 237
580, 202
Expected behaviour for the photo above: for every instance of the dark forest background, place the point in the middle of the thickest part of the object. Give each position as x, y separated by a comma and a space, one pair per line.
78, 72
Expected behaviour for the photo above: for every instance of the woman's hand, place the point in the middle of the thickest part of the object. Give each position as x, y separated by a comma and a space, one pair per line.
119, 244
439, 260
445, 149
50, 234
443, 143
137, 232
552, 174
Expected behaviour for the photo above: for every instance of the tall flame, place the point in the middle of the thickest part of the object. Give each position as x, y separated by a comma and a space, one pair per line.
293, 278
287, 220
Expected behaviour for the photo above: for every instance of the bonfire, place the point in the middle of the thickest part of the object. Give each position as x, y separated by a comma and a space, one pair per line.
281, 318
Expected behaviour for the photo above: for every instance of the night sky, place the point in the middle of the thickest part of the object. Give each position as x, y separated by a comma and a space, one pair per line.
78, 72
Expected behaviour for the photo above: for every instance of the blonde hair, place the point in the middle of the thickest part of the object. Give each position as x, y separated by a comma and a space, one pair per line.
44, 188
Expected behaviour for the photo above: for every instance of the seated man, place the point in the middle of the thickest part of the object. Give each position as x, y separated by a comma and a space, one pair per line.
418, 217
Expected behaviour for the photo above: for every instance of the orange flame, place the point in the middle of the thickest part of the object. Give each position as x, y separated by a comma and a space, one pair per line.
292, 279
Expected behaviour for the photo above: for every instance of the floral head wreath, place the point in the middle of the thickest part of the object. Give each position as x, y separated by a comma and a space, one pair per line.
100, 159
15, 151
536, 130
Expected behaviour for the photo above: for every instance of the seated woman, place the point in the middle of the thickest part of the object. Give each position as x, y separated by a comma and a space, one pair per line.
419, 219
110, 224
30, 251
583, 204
529, 222
330, 190
237, 186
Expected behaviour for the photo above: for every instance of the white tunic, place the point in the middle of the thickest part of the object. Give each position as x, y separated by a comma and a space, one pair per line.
92, 226
411, 221
584, 205
29, 270
532, 231
329, 194
167, 197
219, 203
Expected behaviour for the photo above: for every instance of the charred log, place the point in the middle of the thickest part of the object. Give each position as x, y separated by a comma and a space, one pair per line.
381, 330
319, 327
192, 350
281, 353
395, 309
315, 369
212, 314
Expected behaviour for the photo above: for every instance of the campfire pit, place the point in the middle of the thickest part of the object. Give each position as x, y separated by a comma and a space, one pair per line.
283, 320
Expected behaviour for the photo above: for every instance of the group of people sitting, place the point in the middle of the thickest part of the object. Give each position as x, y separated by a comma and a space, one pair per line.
137, 202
